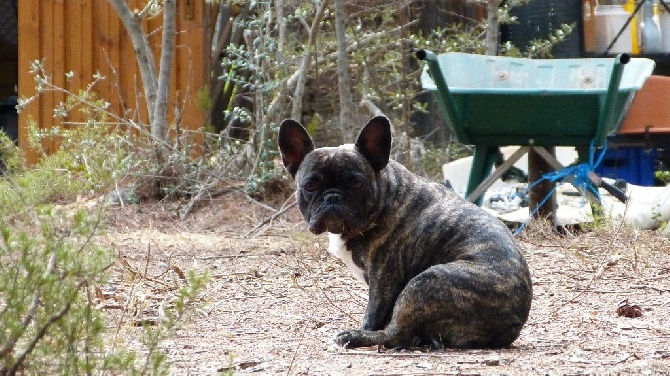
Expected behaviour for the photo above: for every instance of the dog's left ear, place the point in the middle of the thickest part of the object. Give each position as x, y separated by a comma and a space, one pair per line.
374, 142
294, 144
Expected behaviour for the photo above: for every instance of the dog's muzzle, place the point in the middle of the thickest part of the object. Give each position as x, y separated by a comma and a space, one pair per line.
331, 213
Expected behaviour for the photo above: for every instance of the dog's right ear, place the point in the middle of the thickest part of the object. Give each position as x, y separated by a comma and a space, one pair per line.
294, 144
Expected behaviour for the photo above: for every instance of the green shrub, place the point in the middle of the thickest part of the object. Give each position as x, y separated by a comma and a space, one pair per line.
11, 158
47, 269
50, 267
50, 264
87, 163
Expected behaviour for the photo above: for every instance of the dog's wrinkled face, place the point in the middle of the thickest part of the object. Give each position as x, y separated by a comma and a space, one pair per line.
336, 187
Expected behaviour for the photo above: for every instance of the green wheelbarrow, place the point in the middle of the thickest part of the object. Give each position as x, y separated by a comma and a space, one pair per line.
493, 101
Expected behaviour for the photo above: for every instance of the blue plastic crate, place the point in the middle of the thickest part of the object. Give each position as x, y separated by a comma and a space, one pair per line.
634, 165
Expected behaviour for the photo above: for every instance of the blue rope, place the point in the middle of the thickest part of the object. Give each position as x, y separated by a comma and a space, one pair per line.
580, 173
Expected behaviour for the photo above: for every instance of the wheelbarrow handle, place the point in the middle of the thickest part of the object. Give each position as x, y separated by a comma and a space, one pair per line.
614, 191
446, 102
623, 58
607, 110
425, 55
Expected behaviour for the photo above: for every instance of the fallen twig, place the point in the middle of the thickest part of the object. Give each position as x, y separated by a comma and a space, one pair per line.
262, 205
604, 259
226, 256
644, 287
271, 218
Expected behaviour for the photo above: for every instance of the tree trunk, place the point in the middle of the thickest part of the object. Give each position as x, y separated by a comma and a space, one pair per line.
156, 85
159, 125
492, 27
132, 22
296, 111
347, 123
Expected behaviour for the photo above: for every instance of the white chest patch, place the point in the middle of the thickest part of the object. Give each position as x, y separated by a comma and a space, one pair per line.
337, 248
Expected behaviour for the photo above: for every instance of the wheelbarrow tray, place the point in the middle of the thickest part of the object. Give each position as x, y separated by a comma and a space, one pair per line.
494, 100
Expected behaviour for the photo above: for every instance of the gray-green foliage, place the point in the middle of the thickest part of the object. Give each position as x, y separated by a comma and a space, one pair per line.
47, 269
106, 150
11, 158
49, 264
49, 319
88, 161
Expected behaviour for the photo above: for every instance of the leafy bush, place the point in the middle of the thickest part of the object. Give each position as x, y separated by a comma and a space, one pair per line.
11, 158
50, 269
89, 161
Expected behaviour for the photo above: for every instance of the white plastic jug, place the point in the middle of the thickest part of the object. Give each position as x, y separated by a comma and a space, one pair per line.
650, 31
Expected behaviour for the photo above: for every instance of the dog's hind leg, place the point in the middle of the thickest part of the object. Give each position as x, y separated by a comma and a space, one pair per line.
452, 305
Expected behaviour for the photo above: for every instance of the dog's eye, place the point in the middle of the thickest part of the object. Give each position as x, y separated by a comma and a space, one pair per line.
356, 184
310, 186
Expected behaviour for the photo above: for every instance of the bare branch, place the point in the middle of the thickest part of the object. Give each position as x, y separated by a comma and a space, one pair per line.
38, 336
281, 25
145, 57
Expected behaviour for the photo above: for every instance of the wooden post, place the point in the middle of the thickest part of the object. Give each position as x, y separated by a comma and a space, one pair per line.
537, 167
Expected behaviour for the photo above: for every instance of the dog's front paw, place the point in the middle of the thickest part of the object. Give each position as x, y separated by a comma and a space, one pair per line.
345, 339
359, 338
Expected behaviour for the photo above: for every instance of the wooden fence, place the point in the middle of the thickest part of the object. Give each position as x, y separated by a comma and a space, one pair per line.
86, 37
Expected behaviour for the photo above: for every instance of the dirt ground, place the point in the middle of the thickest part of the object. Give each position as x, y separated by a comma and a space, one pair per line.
276, 299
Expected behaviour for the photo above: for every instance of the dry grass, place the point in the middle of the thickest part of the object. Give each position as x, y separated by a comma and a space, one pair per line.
276, 300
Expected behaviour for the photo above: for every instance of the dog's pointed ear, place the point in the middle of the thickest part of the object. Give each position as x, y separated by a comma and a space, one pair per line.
294, 144
374, 142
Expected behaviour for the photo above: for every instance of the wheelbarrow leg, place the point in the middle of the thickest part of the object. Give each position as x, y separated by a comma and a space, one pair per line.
482, 163
501, 169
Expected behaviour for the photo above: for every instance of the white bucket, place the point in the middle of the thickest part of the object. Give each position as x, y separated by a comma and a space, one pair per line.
610, 19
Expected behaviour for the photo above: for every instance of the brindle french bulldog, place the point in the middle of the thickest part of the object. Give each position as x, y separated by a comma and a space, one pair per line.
440, 270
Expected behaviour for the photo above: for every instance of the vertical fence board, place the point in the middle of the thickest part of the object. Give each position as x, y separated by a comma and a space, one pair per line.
107, 56
29, 50
86, 64
48, 56
85, 37
73, 46
59, 67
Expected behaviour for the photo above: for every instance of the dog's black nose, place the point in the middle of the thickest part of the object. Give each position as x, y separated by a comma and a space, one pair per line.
332, 198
